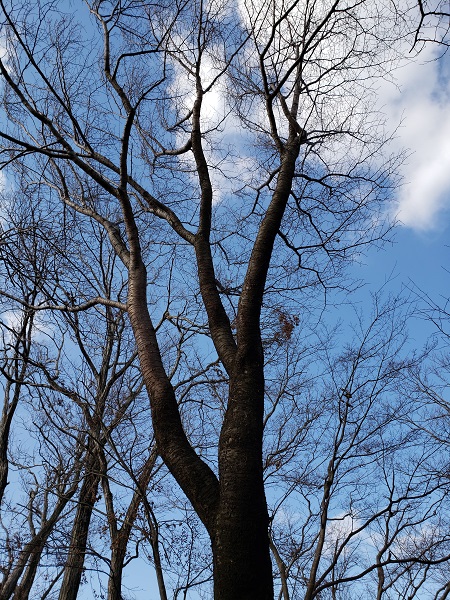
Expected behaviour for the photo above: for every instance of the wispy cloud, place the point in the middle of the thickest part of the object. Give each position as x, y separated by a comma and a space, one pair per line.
421, 103
231, 164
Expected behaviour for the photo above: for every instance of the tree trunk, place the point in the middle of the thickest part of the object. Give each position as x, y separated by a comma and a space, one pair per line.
116, 568
8, 587
241, 554
73, 568
4, 464
120, 537
22, 591
242, 566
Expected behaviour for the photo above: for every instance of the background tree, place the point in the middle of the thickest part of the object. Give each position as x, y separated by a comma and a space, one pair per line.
82, 384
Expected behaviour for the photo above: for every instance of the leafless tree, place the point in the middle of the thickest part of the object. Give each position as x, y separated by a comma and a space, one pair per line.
434, 22
359, 510
233, 158
82, 380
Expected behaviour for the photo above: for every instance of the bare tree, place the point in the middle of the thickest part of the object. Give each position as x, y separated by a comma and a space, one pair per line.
82, 380
354, 506
233, 158
434, 22
17, 324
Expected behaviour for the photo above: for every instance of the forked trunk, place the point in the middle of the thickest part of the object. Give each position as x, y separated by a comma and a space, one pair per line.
116, 570
233, 508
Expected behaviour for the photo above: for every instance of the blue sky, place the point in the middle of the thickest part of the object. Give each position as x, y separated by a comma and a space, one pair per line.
417, 103
417, 107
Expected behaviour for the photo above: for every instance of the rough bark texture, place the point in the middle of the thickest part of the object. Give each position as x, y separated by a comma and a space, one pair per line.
235, 514
193, 475
116, 569
242, 565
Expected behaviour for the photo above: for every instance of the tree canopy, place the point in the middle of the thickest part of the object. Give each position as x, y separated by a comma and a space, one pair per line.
185, 187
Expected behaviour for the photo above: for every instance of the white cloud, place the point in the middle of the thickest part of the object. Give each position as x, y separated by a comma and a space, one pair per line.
339, 528
419, 100
11, 322
422, 105
230, 165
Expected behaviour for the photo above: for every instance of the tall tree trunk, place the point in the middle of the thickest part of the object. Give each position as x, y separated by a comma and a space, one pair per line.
22, 591
73, 568
116, 566
241, 548
242, 563
241, 560
232, 508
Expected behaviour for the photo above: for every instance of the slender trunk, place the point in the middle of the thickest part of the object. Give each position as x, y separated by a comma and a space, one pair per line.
158, 569
22, 591
283, 571
73, 568
22, 348
8, 587
121, 537
380, 573
116, 567
4, 464
154, 541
